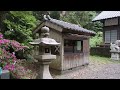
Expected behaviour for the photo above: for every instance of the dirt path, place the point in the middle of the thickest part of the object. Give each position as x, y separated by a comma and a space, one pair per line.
95, 70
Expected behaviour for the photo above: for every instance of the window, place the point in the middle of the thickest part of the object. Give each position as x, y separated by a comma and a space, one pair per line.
110, 36
47, 50
73, 46
107, 36
113, 35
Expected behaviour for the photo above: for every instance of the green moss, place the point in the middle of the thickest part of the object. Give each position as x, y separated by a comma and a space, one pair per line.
103, 60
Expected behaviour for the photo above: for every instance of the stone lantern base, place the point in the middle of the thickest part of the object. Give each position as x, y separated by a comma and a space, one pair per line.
115, 55
44, 61
44, 71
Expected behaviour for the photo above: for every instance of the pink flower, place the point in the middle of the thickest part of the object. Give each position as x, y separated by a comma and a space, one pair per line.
8, 59
1, 42
10, 67
6, 41
1, 36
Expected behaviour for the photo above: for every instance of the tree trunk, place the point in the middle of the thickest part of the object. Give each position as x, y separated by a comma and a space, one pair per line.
2, 17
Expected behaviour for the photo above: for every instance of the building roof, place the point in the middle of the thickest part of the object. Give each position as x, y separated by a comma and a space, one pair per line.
106, 15
68, 26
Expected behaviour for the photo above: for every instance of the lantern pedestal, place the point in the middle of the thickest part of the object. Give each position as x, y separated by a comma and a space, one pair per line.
44, 61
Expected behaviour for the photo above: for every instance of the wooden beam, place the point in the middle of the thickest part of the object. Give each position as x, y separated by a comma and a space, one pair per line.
75, 37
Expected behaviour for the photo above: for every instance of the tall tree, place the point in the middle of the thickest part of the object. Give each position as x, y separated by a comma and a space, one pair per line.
83, 18
39, 14
19, 26
55, 14
2, 17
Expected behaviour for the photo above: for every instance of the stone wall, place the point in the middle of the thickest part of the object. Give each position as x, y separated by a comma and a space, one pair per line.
100, 51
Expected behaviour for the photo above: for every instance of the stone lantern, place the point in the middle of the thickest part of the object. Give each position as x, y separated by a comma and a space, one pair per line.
44, 57
115, 50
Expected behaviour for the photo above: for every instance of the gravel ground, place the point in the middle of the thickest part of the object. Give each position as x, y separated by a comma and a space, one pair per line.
95, 70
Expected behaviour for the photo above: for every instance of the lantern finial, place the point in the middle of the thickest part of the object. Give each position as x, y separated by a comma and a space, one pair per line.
45, 31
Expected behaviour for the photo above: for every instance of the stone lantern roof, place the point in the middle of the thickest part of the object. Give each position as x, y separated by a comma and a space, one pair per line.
44, 40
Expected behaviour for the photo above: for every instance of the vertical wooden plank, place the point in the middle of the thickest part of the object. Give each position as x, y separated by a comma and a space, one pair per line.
75, 62
72, 64
78, 61
69, 62
113, 35
63, 63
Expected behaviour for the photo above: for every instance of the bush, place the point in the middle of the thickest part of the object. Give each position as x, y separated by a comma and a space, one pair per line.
96, 40
7, 53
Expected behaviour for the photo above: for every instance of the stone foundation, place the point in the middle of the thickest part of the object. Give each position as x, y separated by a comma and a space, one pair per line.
115, 55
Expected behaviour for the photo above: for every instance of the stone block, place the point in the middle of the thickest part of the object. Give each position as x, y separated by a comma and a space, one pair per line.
5, 74
115, 56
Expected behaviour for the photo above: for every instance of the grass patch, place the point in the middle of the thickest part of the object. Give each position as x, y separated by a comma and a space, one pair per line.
103, 60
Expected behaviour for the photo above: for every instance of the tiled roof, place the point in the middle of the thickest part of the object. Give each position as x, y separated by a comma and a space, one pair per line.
70, 26
106, 15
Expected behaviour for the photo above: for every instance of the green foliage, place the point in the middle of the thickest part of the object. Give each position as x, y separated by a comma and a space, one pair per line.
96, 40
39, 14
55, 14
2, 17
84, 19
7, 52
102, 60
19, 26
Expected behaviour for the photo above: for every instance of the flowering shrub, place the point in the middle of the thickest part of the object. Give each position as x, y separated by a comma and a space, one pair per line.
7, 58
20, 72
25, 69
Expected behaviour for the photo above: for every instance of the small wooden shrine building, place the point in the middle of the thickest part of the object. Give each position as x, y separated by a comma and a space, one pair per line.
74, 48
